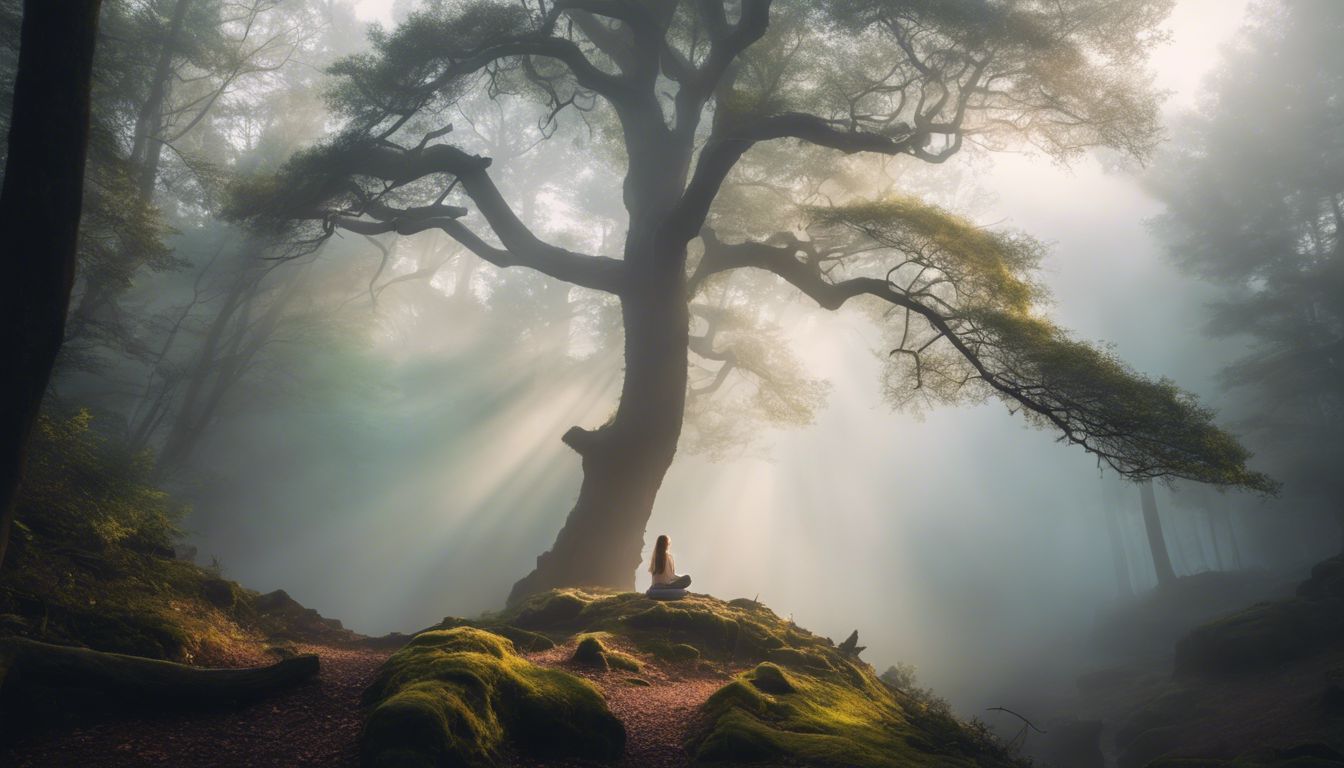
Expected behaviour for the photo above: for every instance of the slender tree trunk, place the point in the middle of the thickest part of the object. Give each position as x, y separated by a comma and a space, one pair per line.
1156, 541
39, 217
147, 148
1219, 561
624, 461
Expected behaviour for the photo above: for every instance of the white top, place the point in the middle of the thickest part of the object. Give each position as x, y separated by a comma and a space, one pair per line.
669, 573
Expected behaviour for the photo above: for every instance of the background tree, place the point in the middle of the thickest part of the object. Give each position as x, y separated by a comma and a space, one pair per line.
39, 217
1265, 228
677, 96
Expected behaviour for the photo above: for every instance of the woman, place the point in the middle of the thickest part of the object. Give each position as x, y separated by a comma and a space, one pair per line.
664, 570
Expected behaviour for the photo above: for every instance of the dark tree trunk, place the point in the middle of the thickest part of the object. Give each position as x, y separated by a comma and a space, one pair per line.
39, 217
624, 461
1156, 541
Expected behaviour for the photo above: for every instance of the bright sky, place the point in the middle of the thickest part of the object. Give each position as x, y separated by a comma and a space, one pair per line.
374, 10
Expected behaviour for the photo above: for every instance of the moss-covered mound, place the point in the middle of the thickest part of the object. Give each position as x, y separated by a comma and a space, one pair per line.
592, 651
800, 700
773, 714
1269, 634
697, 627
456, 697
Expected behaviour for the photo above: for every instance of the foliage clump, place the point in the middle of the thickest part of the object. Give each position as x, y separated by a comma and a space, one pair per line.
457, 696
968, 325
92, 563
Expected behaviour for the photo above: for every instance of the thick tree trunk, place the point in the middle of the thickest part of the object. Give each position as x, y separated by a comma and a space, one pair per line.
39, 217
1156, 541
624, 461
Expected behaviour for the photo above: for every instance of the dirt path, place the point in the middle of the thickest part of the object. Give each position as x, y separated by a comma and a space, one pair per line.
316, 724
658, 717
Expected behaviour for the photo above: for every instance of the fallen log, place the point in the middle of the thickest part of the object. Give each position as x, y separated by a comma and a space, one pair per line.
27, 666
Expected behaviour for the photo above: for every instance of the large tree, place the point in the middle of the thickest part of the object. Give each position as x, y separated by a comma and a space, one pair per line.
1258, 212
39, 216
697, 103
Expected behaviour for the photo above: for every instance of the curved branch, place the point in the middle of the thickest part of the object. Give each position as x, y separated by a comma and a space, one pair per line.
521, 247
1115, 433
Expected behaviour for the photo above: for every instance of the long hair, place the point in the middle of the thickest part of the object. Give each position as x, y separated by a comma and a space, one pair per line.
659, 556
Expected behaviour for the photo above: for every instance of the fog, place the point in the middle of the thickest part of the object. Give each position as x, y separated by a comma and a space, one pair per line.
430, 475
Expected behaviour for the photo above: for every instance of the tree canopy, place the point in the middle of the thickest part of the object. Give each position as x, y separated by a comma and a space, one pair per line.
701, 110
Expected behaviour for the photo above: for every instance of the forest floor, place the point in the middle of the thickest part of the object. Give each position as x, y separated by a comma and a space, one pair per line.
318, 724
315, 724
659, 704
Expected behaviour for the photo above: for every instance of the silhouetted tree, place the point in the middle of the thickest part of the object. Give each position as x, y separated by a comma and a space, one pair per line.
1157, 541
685, 99
39, 217
1259, 213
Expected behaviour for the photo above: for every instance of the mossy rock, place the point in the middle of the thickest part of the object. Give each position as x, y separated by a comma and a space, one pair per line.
771, 679
592, 650
549, 610
799, 659
770, 715
523, 640
672, 652
455, 697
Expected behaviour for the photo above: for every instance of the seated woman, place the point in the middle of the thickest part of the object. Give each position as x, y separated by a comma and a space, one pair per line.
664, 570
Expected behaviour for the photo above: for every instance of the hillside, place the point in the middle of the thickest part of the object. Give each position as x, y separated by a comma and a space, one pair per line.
574, 675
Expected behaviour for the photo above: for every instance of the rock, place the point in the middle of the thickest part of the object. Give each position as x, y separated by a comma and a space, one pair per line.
458, 696
851, 647
590, 652
771, 679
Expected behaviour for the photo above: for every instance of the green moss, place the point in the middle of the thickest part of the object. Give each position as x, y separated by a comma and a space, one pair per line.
455, 696
638, 682
672, 652
771, 679
793, 657
770, 714
592, 650
524, 641
549, 609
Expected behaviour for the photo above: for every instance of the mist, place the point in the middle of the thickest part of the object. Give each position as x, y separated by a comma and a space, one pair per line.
389, 451
958, 540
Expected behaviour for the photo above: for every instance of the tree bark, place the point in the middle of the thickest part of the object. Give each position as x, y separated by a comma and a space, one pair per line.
39, 217
624, 461
1156, 541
